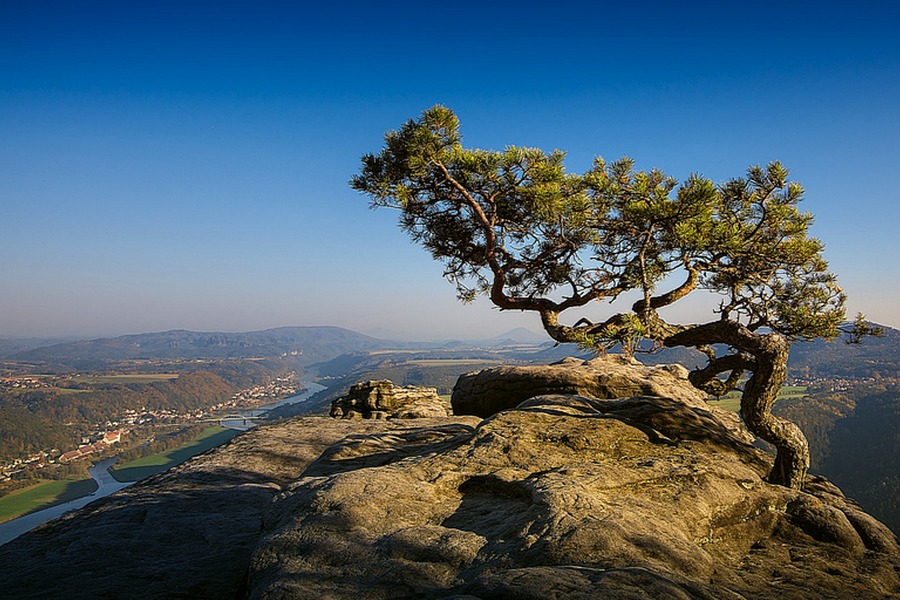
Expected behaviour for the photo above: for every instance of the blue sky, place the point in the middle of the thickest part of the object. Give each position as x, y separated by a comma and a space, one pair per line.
185, 164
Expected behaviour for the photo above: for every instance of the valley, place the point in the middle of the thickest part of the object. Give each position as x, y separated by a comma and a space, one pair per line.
58, 419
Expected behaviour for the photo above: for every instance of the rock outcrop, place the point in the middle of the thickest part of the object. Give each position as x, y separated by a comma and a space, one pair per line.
487, 392
381, 399
186, 533
565, 496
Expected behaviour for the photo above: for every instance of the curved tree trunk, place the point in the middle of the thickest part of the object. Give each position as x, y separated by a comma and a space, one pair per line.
760, 392
765, 356
769, 354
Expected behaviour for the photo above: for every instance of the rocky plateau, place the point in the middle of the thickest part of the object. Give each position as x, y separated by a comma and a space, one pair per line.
599, 479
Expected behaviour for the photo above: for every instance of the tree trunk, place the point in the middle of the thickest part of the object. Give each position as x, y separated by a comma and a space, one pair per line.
760, 392
769, 368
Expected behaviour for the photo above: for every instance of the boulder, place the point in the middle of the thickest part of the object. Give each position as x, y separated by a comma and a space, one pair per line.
381, 399
489, 391
486, 392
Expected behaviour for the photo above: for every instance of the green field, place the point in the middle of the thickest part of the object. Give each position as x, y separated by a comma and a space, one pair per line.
43, 495
451, 362
792, 391
125, 379
732, 400
157, 463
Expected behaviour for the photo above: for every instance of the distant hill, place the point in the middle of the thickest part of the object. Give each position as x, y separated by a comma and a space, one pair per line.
309, 344
13, 345
871, 358
520, 335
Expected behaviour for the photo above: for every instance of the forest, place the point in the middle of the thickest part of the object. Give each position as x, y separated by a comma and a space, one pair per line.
854, 437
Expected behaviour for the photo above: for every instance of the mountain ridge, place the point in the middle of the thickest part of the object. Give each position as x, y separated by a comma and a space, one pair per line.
312, 343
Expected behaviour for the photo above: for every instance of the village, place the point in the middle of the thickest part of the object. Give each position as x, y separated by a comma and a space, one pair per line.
100, 442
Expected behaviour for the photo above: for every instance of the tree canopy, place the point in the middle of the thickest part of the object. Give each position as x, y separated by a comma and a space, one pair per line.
515, 226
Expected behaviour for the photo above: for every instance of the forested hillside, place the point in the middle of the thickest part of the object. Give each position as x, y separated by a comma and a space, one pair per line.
854, 437
876, 357
43, 418
864, 456
23, 433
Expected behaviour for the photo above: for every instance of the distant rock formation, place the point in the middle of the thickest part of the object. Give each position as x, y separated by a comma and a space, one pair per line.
563, 496
381, 399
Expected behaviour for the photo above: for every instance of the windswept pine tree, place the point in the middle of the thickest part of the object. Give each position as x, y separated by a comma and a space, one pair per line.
516, 227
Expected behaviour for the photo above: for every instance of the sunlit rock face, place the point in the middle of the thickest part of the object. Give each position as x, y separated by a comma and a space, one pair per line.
381, 399
565, 495
487, 392
484, 393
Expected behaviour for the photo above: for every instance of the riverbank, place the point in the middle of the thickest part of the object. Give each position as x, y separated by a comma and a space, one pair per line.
142, 468
106, 485
102, 474
44, 494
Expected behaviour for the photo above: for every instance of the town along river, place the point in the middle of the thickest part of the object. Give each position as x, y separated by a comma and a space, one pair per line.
242, 420
245, 419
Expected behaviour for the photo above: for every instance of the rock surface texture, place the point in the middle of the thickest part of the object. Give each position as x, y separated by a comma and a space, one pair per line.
185, 533
487, 392
566, 496
381, 399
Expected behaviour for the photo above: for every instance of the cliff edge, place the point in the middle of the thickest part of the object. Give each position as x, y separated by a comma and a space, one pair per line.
566, 495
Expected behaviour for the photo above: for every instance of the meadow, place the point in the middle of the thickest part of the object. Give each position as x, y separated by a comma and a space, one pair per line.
43, 495
732, 400
141, 468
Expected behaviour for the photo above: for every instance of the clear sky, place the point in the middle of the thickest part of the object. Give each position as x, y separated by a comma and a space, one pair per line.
184, 164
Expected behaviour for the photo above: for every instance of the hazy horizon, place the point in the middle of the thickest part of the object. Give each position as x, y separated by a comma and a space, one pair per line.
378, 333
175, 165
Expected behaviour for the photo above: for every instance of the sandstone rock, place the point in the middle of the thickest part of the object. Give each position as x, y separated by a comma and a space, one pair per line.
487, 392
381, 399
571, 497
565, 496
186, 533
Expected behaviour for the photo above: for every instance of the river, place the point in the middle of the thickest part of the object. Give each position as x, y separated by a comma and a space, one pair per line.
10, 530
246, 420
107, 485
